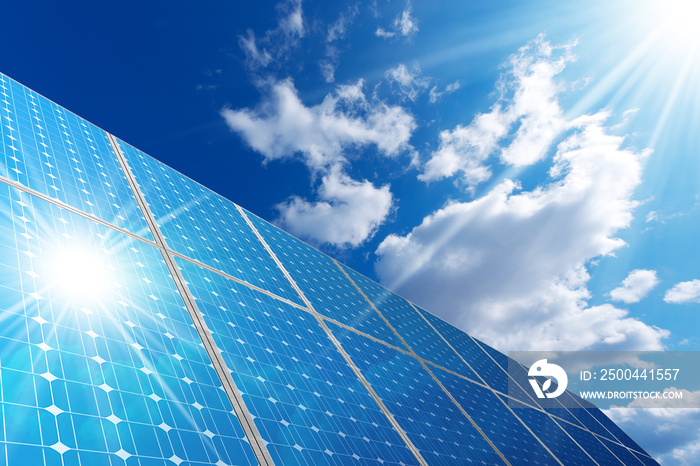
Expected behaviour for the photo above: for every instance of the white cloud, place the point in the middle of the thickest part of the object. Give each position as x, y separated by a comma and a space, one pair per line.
635, 287
283, 127
336, 32
276, 42
410, 82
435, 95
292, 21
465, 148
348, 213
327, 70
684, 292
404, 24
256, 57
671, 436
528, 101
509, 266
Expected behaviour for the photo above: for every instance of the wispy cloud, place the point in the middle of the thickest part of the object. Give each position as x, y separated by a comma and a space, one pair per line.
336, 32
528, 99
635, 287
436, 95
409, 81
684, 292
404, 25
510, 266
275, 43
283, 127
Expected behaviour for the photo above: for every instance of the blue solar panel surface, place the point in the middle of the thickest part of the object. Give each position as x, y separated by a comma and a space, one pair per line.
52, 151
500, 425
307, 403
106, 378
415, 331
622, 453
204, 226
591, 444
557, 441
324, 284
434, 424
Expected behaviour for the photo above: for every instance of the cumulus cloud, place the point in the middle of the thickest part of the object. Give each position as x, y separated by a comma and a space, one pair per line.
283, 127
671, 436
510, 266
635, 287
436, 95
528, 102
404, 25
684, 292
260, 52
409, 81
348, 213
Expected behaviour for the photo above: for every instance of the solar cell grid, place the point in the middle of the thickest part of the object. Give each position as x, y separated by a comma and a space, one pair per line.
324, 284
557, 440
204, 226
500, 425
306, 401
415, 331
431, 420
114, 377
56, 153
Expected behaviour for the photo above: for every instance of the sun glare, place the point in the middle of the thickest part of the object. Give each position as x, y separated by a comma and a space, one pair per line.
81, 273
678, 21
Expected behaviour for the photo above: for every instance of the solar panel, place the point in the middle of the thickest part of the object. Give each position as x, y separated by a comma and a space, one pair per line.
97, 377
324, 284
511, 437
431, 420
307, 402
409, 323
204, 226
52, 151
121, 344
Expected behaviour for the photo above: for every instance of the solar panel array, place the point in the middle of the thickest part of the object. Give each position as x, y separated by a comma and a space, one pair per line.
145, 320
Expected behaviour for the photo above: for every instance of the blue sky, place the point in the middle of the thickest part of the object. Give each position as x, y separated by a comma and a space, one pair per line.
529, 172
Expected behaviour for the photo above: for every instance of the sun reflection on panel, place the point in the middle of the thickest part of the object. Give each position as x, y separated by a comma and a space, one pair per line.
81, 272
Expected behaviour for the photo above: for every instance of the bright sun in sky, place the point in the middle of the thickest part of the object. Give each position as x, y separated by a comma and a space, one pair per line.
679, 21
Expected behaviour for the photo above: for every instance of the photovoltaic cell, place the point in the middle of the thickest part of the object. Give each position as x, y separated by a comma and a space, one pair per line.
500, 425
204, 226
434, 424
478, 360
622, 453
308, 405
324, 284
645, 459
591, 444
112, 377
415, 331
559, 407
56, 153
557, 440
596, 421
